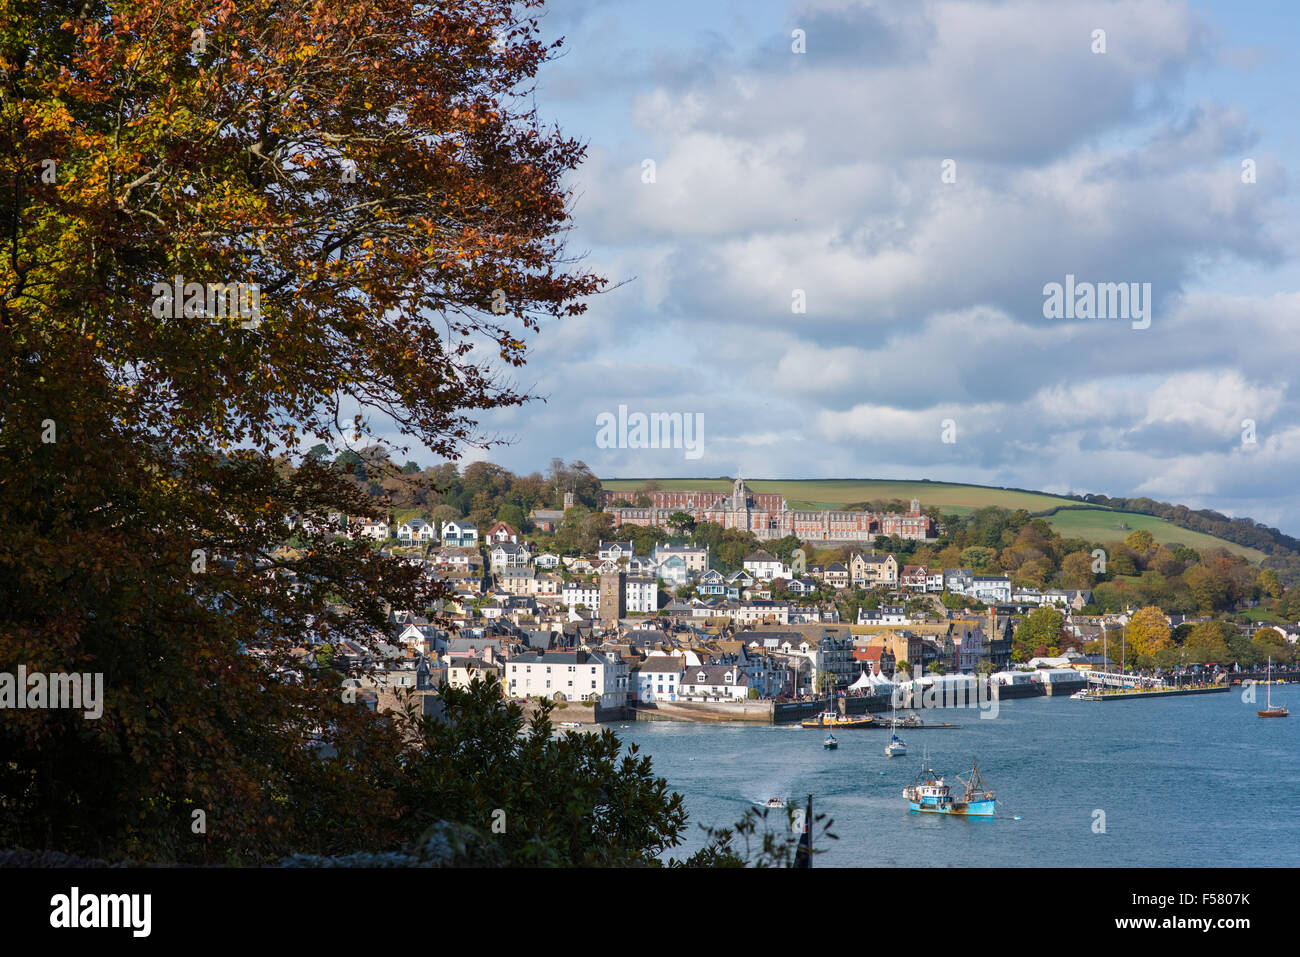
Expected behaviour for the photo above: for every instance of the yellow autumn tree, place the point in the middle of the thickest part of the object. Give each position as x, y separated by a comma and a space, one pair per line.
1148, 632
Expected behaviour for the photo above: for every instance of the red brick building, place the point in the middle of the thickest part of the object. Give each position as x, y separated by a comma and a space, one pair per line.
768, 517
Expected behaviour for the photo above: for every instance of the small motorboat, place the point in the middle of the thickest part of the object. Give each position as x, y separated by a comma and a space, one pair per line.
830, 744
896, 747
774, 803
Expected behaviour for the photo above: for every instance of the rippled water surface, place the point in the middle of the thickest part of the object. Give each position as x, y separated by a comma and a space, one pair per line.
1182, 782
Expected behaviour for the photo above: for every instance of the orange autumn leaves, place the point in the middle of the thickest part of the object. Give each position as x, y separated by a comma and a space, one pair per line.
374, 169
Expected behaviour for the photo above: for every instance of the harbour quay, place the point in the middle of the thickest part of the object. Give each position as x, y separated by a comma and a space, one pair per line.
1129, 694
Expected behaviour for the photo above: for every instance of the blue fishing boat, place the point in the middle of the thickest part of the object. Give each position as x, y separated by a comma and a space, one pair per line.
929, 794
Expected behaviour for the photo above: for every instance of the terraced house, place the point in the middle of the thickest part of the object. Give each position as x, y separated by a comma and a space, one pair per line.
868, 571
569, 676
659, 676
826, 649
713, 682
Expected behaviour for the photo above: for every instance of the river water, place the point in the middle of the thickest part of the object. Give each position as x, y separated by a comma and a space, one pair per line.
1179, 782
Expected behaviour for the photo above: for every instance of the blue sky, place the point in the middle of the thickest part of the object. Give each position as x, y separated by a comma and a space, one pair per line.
821, 171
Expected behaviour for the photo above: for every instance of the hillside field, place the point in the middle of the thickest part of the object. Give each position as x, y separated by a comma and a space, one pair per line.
1094, 524
833, 493
1103, 525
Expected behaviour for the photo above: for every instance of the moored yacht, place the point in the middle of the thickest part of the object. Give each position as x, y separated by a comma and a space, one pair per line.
1270, 711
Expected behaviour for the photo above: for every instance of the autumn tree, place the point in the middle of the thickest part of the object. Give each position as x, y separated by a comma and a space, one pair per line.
1040, 629
1209, 587
1148, 632
1269, 583
1140, 541
1076, 570
1269, 642
1207, 642
231, 233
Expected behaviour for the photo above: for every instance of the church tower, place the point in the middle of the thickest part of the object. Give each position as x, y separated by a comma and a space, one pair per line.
739, 505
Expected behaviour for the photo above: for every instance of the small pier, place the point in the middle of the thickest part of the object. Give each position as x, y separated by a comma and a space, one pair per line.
1114, 687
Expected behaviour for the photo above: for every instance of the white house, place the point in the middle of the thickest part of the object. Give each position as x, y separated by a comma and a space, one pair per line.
712, 582
757, 612
673, 570
586, 594
1026, 596
460, 558
509, 555
571, 675
641, 594
958, 580
764, 567
460, 534
423, 638
715, 681
884, 615
640, 565
614, 551
695, 559
416, 530
659, 676
990, 590
376, 530
1073, 598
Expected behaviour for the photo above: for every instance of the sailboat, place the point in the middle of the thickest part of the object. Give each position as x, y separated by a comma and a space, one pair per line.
830, 744
896, 747
1269, 710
